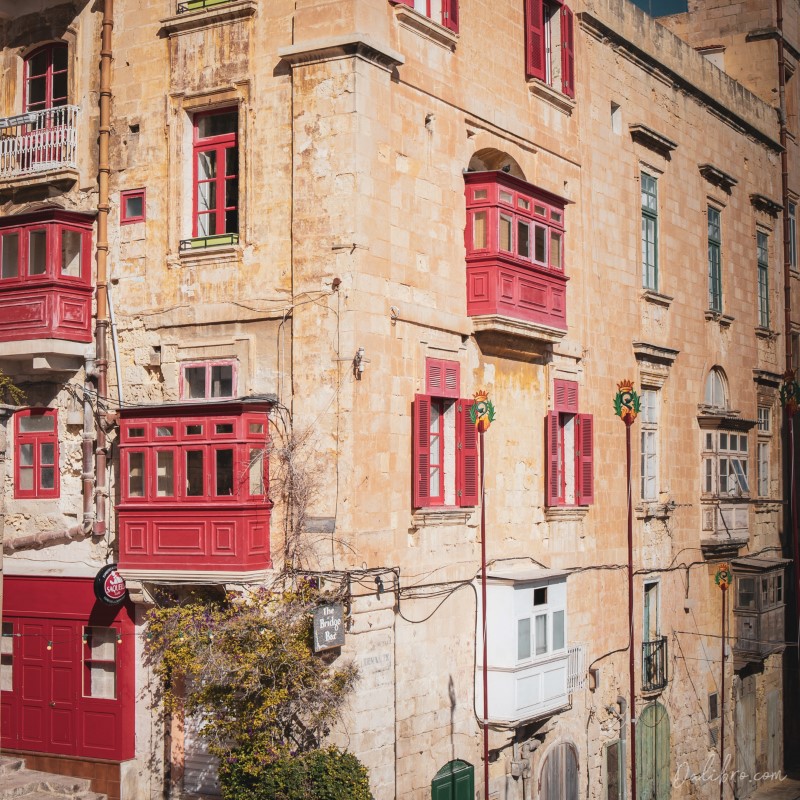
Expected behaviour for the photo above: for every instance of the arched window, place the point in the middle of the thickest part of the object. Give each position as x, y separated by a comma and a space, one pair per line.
558, 779
46, 77
716, 389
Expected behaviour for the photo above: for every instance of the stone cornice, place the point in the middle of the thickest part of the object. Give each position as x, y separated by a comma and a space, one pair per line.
333, 48
651, 139
654, 353
710, 420
764, 378
763, 34
761, 202
206, 17
717, 177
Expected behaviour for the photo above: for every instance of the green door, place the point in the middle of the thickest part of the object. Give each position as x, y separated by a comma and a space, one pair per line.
454, 781
653, 778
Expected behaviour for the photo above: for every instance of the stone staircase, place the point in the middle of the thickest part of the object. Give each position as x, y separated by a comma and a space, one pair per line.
27, 784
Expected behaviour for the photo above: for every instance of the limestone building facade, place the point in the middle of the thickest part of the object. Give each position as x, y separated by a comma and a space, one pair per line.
229, 225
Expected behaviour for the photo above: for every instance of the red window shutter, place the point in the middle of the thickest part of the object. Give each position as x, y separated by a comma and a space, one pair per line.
442, 377
402, 3
450, 14
534, 39
584, 461
552, 438
467, 477
421, 450
567, 52
565, 396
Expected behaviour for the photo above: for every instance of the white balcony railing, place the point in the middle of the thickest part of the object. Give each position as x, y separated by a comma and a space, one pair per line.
576, 668
38, 141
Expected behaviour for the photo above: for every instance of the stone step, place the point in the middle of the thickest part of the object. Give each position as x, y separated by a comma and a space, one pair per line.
26, 784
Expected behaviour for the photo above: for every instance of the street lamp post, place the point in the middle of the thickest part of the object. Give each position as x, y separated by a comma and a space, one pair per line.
626, 406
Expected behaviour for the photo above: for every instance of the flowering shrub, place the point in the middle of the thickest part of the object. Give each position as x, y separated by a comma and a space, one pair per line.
247, 667
316, 775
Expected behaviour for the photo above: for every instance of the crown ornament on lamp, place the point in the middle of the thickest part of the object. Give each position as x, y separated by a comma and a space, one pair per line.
790, 393
481, 412
626, 402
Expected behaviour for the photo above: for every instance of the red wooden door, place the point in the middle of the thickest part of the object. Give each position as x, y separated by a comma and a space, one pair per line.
47, 663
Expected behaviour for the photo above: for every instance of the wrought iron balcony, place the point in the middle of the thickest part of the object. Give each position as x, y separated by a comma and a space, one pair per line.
39, 141
654, 665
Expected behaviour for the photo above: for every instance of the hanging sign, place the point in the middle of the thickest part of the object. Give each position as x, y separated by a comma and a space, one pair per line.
723, 578
328, 627
109, 587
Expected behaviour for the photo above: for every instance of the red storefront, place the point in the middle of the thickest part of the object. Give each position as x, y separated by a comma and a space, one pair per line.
67, 670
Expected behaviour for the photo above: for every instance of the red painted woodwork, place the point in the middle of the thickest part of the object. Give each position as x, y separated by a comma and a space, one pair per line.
565, 396
567, 52
534, 40
210, 516
514, 239
584, 459
53, 299
442, 377
421, 450
554, 473
46, 710
467, 487
36, 472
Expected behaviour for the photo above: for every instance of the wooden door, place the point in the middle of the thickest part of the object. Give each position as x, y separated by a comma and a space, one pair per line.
774, 731
454, 781
559, 776
745, 734
653, 776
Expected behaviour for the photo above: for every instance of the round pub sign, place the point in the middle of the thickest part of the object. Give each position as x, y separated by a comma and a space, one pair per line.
109, 585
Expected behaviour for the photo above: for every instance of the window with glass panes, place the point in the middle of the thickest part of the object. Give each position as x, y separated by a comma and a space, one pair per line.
649, 440
36, 453
725, 464
541, 628
649, 232
762, 250
216, 173
714, 260
208, 380
443, 12
764, 434
46, 72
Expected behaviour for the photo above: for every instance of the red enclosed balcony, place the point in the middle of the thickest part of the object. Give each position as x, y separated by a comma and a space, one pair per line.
45, 286
515, 258
193, 492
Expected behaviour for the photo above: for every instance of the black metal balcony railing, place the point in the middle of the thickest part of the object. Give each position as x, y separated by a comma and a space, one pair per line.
654, 665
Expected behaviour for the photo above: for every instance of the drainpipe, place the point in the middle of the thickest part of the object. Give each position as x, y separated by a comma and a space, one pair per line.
103, 208
623, 744
787, 264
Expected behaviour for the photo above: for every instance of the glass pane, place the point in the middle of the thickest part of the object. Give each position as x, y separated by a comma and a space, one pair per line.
7, 658
540, 596
480, 194
47, 453
723, 441
10, 268
26, 479
555, 250
206, 224
134, 206
165, 430
26, 455
217, 124
231, 161
540, 210
207, 196
505, 233
435, 482
135, 433
256, 472
523, 239
194, 382
523, 638
71, 253
194, 473
231, 192
541, 634
555, 216
206, 169
37, 92
165, 473
540, 244
506, 197
37, 256
524, 203
256, 427
59, 88
194, 430
224, 484
747, 593
226, 427
479, 230
102, 681
136, 475
558, 630
222, 381
48, 478
60, 57
37, 423
37, 65
231, 221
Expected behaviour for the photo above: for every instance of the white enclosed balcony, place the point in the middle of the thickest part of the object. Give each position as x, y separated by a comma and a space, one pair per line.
39, 143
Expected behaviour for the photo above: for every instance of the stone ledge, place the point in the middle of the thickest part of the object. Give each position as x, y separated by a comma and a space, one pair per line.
206, 17
566, 513
552, 96
332, 48
425, 26
657, 298
430, 517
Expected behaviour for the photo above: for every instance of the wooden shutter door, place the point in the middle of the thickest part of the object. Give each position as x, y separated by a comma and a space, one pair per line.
567, 52
552, 437
584, 461
565, 396
442, 377
450, 14
421, 450
467, 486
534, 39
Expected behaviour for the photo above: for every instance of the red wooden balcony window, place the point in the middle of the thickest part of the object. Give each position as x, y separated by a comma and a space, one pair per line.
514, 239
46, 72
36, 453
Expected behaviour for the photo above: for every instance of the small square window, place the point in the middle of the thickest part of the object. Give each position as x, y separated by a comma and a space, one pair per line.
131, 206
210, 380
